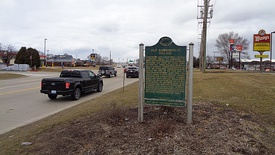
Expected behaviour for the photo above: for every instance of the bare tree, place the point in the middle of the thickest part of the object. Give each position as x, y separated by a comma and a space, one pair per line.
1, 51
209, 60
98, 59
105, 61
223, 44
7, 54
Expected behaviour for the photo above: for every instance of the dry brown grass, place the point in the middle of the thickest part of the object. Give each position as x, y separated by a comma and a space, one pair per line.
244, 92
59, 69
5, 76
248, 91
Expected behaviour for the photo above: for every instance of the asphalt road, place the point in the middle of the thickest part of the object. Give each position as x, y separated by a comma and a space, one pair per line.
22, 103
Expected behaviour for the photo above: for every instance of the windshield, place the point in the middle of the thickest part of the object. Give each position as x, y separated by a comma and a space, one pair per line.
70, 74
104, 68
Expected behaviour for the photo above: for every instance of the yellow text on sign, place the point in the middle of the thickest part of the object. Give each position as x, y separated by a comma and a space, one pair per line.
261, 47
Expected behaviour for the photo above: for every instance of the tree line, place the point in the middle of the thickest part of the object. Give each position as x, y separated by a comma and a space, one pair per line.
25, 55
31, 56
28, 56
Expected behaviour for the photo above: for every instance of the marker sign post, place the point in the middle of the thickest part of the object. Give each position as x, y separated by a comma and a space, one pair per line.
165, 73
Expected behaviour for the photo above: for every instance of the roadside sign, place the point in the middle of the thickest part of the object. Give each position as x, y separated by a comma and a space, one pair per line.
261, 56
220, 59
239, 48
261, 41
232, 41
165, 73
93, 56
235, 55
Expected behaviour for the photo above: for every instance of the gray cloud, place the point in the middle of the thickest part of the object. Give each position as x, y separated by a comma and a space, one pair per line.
78, 26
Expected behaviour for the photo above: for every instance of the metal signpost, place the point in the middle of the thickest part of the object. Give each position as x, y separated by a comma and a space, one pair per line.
141, 83
190, 84
239, 49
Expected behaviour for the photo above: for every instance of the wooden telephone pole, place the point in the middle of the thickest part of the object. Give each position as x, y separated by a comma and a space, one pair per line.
204, 16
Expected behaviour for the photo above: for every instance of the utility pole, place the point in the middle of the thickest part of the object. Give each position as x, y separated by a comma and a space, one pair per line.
204, 16
204, 32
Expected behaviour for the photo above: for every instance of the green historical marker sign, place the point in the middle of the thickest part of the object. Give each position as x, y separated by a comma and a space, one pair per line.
165, 73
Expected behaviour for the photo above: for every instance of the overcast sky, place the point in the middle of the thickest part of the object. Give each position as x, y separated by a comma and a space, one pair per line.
77, 27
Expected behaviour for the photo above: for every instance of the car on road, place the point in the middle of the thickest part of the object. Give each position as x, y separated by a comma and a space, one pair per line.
107, 71
132, 71
73, 83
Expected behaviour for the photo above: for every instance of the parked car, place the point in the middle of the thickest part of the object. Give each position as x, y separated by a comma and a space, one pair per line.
107, 71
132, 71
73, 83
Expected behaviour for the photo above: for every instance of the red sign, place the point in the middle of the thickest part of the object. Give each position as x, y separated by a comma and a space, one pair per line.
261, 42
261, 38
232, 41
239, 47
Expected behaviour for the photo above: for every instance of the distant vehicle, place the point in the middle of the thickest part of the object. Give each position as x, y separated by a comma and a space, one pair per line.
118, 66
73, 83
132, 71
107, 71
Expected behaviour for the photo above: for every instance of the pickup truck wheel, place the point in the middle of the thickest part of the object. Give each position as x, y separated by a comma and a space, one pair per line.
115, 74
76, 94
99, 87
52, 96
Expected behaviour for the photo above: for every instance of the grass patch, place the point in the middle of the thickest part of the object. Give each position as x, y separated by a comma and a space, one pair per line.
6, 76
249, 92
59, 69
253, 92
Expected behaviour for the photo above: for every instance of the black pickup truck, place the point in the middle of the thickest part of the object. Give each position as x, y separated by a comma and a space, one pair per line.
73, 83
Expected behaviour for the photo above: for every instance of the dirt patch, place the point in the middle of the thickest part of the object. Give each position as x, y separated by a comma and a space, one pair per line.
215, 130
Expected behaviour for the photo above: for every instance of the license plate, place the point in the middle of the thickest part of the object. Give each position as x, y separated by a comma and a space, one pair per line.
53, 92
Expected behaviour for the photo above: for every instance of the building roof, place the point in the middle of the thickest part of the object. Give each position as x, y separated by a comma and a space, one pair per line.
61, 58
256, 59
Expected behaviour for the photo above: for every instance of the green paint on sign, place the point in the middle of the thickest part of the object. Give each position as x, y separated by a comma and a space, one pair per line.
165, 73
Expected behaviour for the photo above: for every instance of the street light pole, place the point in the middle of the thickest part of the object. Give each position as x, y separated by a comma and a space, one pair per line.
110, 58
45, 61
271, 49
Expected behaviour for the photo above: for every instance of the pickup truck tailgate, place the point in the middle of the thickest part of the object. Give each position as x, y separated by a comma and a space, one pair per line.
53, 84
